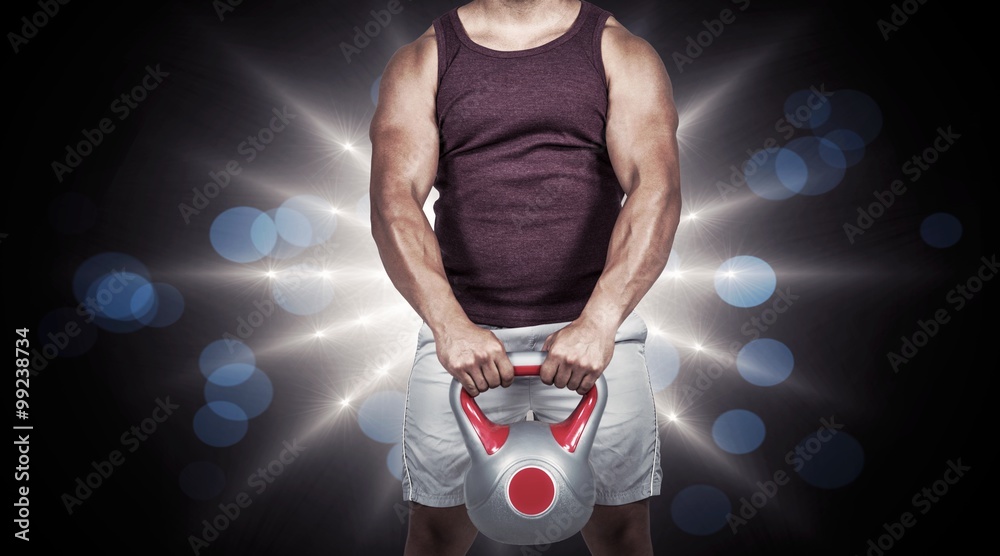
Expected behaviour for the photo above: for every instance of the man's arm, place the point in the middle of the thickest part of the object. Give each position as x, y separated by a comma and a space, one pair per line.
642, 145
404, 137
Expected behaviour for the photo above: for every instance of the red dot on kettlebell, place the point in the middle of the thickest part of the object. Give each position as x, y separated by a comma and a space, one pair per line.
531, 491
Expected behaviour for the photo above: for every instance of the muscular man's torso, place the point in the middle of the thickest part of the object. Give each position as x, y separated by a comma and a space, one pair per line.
528, 197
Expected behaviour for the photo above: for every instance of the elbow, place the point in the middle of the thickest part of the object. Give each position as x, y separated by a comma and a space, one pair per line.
390, 211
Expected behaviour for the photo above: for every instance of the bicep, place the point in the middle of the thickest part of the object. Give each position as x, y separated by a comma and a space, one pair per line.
404, 133
642, 118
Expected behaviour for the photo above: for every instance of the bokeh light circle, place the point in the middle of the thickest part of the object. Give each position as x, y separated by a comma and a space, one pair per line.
220, 424
829, 458
807, 109
817, 167
241, 235
318, 214
765, 362
282, 247
941, 230
791, 170
253, 395
662, 360
763, 179
745, 281
381, 416
101, 265
854, 111
700, 509
227, 352
738, 431
113, 293
850, 145
293, 226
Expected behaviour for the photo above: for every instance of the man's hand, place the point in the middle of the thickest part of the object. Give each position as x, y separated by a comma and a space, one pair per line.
578, 354
476, 358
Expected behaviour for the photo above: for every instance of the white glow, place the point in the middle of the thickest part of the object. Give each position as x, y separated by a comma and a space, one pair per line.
698, 347
345, 402
320, 333
348, 147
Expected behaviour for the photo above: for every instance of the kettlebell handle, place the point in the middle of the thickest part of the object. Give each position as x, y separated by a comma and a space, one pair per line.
575, 434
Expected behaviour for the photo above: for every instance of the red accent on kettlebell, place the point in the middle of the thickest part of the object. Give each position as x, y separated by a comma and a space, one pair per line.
568, 432
490, 434
531, 491
527, 370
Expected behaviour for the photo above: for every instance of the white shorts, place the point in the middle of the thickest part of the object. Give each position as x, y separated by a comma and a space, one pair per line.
626, 452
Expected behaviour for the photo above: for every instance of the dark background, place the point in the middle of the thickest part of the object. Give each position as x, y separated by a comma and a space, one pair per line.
338, 496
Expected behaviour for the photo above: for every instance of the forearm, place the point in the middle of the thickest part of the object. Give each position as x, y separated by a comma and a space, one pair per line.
411, 256
637, 255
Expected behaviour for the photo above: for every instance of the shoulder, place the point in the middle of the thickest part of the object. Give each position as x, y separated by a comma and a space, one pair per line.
416, 59
621, 46
409, 82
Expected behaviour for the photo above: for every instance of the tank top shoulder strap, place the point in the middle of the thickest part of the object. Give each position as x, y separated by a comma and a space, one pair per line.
448, 42
596, 19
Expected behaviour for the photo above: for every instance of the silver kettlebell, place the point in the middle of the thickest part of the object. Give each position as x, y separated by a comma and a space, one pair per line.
529, 482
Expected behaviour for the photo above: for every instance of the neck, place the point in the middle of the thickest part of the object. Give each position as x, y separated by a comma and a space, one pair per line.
521, 12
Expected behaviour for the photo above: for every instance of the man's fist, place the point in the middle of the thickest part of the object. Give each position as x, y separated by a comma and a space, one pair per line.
476, 358
578, 354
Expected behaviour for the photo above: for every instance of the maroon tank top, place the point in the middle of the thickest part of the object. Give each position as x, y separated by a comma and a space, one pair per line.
528, 197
